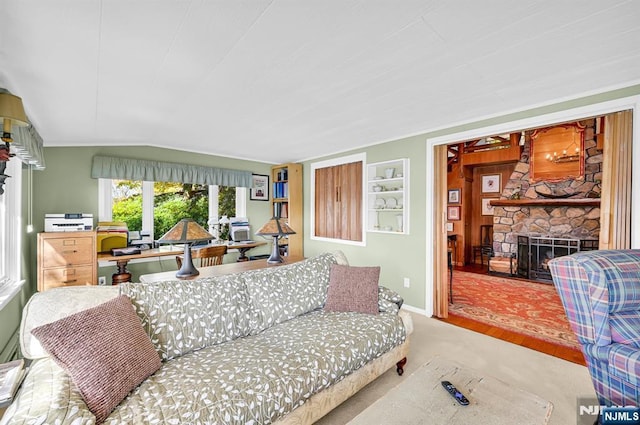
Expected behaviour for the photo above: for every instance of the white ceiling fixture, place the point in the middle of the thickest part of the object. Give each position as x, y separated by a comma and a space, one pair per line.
283, 80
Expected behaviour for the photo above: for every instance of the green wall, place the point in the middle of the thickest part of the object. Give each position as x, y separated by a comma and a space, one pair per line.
66, 186
399, 255
403, 256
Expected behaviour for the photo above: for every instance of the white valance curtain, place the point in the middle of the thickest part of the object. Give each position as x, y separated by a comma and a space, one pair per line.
27, 143
108, 167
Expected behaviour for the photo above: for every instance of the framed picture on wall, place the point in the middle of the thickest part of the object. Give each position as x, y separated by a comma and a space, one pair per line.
454, 196
491, 183
453, 213
259, 188
487, 208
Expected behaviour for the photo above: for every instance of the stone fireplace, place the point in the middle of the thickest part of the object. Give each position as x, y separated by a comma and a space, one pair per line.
535, 252
568, 209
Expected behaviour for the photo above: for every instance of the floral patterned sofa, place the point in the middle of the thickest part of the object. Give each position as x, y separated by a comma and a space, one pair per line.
259, 347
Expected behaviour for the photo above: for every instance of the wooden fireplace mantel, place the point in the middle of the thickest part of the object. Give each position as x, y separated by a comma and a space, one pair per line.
584, 202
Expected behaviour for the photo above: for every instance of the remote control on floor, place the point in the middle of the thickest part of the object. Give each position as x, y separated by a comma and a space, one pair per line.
460, 398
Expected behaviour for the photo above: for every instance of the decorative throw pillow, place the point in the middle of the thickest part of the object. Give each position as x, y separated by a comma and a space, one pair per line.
105, 351
353, 289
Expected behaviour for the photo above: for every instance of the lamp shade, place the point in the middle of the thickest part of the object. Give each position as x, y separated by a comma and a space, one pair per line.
11, 112
186, 230
275, 227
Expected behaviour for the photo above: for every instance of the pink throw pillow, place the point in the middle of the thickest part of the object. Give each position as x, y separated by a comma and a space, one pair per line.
104, 349
353, 289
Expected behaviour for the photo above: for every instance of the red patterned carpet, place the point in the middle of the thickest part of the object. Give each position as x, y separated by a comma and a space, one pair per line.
521, 306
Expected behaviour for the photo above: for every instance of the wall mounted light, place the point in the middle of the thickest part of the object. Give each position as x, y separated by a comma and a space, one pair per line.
11, 113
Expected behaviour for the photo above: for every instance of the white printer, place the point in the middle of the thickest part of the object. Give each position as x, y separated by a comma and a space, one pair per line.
68, 222
239, 230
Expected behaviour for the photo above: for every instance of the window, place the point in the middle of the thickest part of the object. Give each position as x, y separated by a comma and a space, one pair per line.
10, 219
155, 207
11, 232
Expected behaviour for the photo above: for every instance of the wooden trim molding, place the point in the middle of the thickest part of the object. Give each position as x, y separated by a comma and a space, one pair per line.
588, 202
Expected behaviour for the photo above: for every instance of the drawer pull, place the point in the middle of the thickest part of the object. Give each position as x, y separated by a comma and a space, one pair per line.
73, 251
70, 281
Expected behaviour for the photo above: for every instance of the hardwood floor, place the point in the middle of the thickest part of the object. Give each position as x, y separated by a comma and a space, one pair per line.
556, 350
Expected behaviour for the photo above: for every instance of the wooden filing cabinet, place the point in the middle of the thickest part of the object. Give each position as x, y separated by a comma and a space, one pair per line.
66, 259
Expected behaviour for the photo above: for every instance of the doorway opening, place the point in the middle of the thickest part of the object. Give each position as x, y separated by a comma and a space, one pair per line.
505, 173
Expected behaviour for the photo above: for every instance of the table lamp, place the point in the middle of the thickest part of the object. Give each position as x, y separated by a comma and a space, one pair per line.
276, 227
186, 231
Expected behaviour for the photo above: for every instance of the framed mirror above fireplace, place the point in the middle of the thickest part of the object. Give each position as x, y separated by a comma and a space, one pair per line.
557, 153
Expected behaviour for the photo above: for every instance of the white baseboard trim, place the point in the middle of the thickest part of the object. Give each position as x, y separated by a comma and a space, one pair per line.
416, 310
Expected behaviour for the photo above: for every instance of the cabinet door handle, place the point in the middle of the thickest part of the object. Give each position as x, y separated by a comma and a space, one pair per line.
70, 281
73, 251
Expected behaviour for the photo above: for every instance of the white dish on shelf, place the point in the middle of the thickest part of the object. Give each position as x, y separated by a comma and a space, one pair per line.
400, 203
391, 203
380, 203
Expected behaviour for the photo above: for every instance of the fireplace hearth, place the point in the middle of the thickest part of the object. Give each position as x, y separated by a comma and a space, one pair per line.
535, 252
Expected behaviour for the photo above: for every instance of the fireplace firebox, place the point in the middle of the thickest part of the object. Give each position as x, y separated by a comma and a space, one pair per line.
534, 253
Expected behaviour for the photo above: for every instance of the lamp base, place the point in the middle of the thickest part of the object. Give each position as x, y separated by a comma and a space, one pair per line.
187, 269
275, 257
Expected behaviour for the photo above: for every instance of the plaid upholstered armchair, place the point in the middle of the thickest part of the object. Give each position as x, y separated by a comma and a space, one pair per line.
600, 291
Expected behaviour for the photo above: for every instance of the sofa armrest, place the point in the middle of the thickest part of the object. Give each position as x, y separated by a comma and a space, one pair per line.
390, 295
624, 362
407, 321
54, 304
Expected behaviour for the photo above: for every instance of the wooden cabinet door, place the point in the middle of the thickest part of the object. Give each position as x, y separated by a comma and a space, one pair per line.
349, 211
325, 202
338, 202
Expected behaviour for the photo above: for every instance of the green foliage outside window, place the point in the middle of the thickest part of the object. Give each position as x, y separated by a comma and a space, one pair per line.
172, 203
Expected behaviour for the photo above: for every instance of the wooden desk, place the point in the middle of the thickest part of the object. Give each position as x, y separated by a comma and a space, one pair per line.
220, 270
122, 275
243, 248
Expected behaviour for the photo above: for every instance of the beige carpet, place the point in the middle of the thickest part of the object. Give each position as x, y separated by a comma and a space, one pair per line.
421, 400
553, 379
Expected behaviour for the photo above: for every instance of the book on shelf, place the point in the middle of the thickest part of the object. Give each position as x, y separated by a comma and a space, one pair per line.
11, 375
281, 190
281, 209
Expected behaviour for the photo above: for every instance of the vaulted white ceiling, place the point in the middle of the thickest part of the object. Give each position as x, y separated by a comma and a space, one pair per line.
286, 80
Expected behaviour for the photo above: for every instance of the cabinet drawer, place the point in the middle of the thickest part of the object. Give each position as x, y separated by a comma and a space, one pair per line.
66, 251
68, 276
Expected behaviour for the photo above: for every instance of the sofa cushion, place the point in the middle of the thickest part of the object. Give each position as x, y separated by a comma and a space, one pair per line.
53, 304
182, 316
281, 293
353, 289
105, 351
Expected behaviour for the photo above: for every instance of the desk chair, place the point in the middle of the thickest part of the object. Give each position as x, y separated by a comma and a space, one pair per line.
209, 256
486, 244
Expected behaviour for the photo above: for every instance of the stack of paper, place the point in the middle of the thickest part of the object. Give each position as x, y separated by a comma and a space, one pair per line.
11, 375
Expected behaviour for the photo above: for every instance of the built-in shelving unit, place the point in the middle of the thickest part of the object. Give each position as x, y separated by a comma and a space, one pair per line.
286, 202
388, 196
